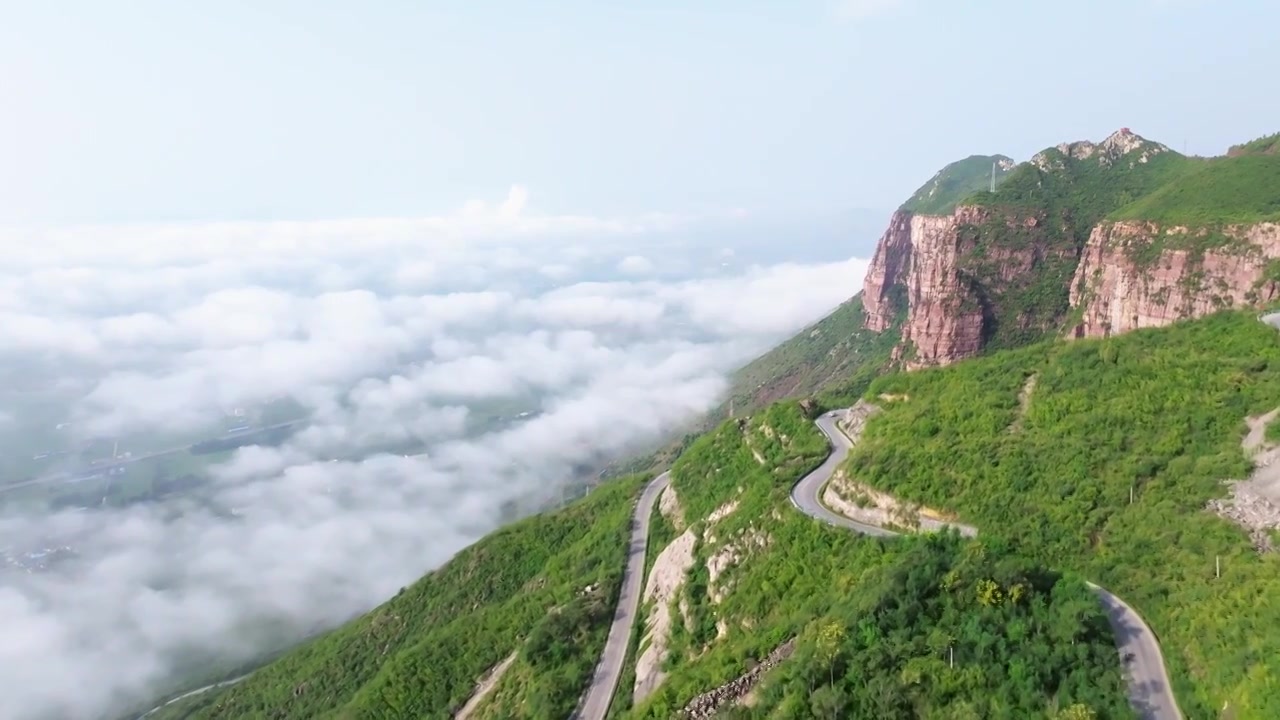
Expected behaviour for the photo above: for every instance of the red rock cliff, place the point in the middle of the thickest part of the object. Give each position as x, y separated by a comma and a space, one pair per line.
887, 265
944, 320
1135, 274
954, 289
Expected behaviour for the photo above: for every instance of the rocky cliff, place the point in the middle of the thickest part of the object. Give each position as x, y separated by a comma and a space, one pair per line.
955, 283
1138, 274
1039, 256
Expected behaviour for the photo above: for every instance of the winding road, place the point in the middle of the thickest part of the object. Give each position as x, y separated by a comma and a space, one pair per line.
1148, 680
595, 704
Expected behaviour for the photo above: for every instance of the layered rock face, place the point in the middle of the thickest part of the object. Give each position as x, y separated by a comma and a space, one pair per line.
1038, 258
921, 252
1135, 275
893, 252
951, 286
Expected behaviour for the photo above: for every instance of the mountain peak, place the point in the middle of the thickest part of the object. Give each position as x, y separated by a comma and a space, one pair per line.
1124, 141
957, 181
1116, 145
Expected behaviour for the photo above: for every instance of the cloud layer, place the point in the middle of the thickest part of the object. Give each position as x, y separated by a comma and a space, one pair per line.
607, 332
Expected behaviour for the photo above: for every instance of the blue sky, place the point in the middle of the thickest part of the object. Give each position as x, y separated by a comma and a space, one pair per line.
176, 111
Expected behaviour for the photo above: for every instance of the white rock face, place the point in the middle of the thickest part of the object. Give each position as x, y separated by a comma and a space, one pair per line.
665, 581
1255, 503
669, 507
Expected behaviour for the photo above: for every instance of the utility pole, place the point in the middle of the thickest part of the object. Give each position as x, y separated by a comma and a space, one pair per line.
1131, 494
951, 653
1217, 566
993, 176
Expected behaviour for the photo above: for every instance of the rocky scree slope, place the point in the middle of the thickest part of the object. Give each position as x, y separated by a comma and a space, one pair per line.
1085, 238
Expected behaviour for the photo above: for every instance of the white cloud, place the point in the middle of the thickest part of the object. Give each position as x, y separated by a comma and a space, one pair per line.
635, 265
385, 331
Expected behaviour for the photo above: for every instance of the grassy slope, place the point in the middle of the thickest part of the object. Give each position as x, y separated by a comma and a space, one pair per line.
420, 653
886, 605
835, 354
955, 182
1241, 189
1160, 411
1265, 145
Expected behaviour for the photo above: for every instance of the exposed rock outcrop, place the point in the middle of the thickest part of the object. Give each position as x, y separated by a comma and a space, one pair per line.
867, 505
665, 580
1255, 503
709, 703
952, 280
1136, 274
888, 266
728, 556
920, 254
853, 421
669, 507
1012, 269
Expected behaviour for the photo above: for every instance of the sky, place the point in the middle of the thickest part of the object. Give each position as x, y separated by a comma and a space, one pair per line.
299, 110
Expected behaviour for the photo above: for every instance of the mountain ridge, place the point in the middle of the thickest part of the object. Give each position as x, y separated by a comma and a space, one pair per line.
1003, 269
1007, 275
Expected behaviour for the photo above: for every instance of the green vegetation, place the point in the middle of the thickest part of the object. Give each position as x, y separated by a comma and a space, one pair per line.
1024, 643
1242, 189
1041, 216
836, 354
1079, 192
1156, 412
956, 182
544, 586
877, 622
1266, 145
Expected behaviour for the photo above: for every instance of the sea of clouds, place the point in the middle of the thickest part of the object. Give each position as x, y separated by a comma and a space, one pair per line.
385, 331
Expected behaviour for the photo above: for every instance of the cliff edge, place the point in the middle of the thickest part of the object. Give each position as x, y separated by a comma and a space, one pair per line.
1084, 239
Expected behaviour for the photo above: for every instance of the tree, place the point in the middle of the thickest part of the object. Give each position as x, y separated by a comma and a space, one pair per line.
829, 701
1077, 711
831, 635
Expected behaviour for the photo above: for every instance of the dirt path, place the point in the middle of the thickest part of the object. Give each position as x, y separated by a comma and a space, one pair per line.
486, 685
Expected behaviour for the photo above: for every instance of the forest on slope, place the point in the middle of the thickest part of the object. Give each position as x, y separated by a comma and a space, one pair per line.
543, 588
1159, 413
935, 627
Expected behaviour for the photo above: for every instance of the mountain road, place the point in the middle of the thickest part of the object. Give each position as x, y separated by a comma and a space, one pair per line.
1148, 680
595, 705
1144, 669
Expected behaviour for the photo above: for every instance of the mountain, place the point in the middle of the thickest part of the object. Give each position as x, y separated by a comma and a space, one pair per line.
539, 592
958, 181
1107, 388
1072, 241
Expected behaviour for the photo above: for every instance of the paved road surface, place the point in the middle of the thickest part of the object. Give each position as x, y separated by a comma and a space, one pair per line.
605, 681
806, 492
1149, 690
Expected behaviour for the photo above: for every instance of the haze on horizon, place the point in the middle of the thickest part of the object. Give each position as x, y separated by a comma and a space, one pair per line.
398, 217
